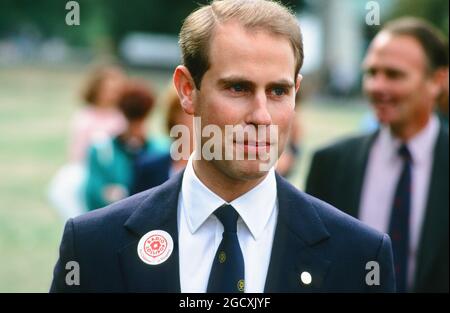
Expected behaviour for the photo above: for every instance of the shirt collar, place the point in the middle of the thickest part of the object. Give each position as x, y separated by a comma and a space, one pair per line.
254, 207
420, 146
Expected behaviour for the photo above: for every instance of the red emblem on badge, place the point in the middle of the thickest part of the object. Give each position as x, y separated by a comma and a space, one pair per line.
155, 246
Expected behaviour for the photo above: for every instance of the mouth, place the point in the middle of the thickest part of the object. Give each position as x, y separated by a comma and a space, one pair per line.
253, 143
382, 100
253, 147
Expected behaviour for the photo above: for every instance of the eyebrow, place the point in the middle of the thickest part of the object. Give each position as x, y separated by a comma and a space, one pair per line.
391, 70
227, 81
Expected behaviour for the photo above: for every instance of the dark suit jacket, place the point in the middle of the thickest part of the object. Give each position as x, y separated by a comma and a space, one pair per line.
310, 236
337, 174
150, 171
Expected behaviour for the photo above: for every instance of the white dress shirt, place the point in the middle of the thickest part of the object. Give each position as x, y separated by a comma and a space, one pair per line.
382, 174
200, 232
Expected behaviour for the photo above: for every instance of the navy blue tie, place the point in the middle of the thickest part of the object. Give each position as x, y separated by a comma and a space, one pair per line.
227, 272
399, 224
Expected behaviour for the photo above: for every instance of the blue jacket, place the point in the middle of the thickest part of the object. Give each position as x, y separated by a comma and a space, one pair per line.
310, 236
150, 171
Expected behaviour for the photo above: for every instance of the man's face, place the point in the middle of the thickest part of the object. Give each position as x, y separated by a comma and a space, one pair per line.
396, 80
250, 83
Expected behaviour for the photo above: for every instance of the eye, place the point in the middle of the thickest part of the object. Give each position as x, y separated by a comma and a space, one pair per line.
394, 74
237, 88
279, 91
370, 72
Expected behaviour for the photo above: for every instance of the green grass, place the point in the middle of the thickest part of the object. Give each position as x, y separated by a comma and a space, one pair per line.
36, 105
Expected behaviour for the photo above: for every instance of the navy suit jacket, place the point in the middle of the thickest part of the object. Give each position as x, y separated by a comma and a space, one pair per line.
150, 171
310, 236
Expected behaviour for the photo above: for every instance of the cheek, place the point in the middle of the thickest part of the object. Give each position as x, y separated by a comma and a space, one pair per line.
219, 111
408, 88
411, 96
283, 117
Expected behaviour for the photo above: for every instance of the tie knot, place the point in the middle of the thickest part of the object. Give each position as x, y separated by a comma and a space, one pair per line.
228, 216
404, 153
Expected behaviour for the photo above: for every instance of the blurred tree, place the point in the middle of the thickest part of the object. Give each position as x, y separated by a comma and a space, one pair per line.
101, 20
435, 11
156, 15
47, 19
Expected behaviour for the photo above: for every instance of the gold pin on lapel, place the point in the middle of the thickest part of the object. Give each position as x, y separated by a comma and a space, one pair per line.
222, 257
306, 278
241, 285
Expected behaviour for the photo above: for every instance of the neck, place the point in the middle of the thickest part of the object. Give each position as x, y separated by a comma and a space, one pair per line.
405, 132
179, 164
224, 186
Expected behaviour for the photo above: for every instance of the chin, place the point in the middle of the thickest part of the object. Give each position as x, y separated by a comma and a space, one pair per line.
246, 170
385, 118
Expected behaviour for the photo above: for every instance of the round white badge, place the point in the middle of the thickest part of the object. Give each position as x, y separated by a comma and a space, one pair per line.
306, 278
155, 247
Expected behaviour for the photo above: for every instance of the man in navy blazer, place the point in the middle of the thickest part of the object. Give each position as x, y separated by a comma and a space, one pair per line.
228, 224
405, 68
311, 236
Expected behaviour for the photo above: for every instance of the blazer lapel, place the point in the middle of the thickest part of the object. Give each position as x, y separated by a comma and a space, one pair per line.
436, 212
157, 212
299, 229
355, 173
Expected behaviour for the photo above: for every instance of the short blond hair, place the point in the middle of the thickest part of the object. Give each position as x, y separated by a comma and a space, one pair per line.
198, 27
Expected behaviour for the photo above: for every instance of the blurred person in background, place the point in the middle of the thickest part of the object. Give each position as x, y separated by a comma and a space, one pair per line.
151, 170
111, 160
397, 178
98, 118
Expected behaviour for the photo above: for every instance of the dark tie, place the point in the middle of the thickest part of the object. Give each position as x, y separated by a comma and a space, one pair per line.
227, 272
399, 224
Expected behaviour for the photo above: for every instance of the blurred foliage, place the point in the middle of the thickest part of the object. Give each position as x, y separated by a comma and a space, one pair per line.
435, 11
100, 19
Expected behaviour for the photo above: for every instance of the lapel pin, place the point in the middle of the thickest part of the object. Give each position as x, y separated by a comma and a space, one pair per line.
155, 247
306, 278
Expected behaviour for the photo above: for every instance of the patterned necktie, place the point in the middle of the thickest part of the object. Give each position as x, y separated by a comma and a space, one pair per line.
399, 224
227, 272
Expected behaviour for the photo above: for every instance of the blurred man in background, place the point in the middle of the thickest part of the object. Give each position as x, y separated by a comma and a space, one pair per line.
396, 179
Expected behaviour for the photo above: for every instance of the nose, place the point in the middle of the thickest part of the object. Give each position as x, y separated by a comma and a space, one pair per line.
258, 113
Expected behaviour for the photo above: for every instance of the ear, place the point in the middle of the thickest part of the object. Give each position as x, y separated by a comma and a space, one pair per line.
184, 84
439, 81
297, 83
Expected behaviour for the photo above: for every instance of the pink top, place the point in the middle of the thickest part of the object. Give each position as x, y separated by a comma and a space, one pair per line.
92, 123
